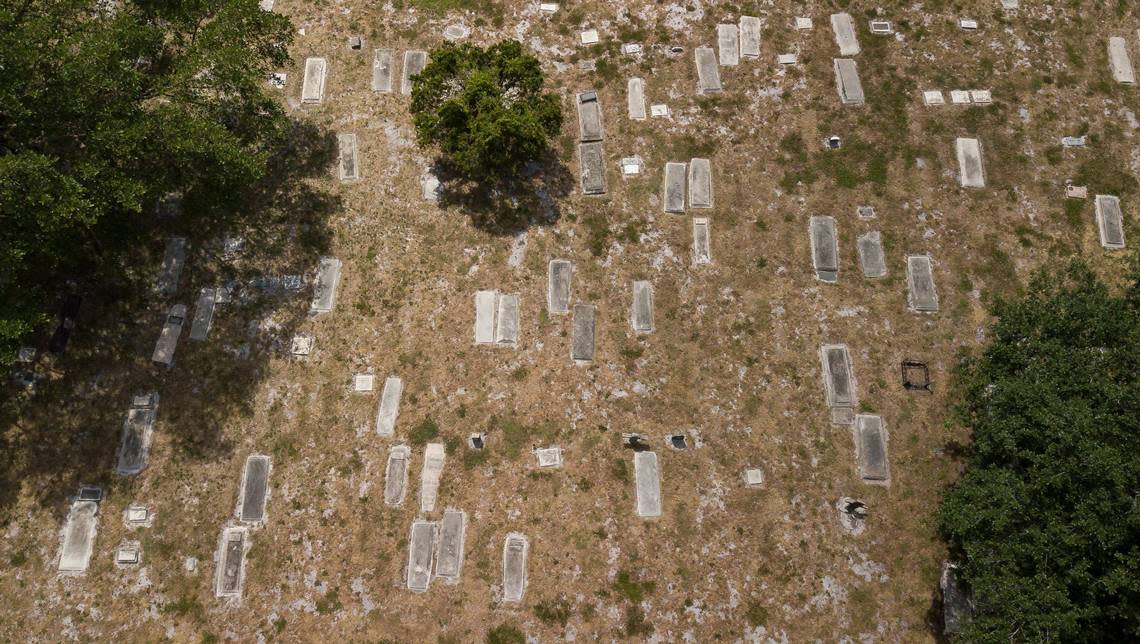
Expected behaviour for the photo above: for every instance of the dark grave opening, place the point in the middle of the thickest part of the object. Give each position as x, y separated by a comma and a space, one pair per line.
477, 441
915, 376
856, 509
677, 441
90, 493
634, 442
834, 142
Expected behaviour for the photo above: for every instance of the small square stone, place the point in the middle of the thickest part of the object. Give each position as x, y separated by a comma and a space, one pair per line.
363, 382
754, 477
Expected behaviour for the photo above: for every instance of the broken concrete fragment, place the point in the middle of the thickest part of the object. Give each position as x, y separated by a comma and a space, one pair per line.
971, 172
254, 490
324, 287
871, 449
582, 337
1120, 62
168, 337
593, 168
203, 314
78, 537
558, 275
728, 41
507, 320
230, 561
1110, 222
396, 474
516, 549
414, 63
708, 74
647, 478
921, 295
434, 456
589, 117
844, 28
749, 37
389, 406
449, 555
675, 187
641, 316
824, 248
635, 97
382, 71
847, 82
313, 86
871, 257
134, 447
421, 548
702, 252
346, 147
700, 184
173, 259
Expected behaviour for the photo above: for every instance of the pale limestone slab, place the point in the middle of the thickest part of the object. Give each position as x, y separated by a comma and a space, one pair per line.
346, 148
77, 539
728, 42
254, 489
749, 37
960, 96
1120, 61
847, 82
708, 73
1110, 222
449, 555
844, 28
641, 315
363, 382
871, 256
871, 449
635, 97
507, 320
824, 248
516, 549
933, 97
382, 71
485, 304
138, 428
589, 117
168, 338
173, 259
647, 478
558, 275
389, 406
396, 474
203, 314
921, 295
702, 247
414, 62
325, 285
700, 184
675, 187
970, 169
434, 456
582, 337
313, 86
421, 550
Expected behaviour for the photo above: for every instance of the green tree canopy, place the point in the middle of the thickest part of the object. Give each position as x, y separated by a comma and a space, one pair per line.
107, 107
484, 109
1045, 520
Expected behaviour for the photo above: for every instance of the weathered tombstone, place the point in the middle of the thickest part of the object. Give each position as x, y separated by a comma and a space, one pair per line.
824, 248
168, 337
128, 554
921, 295
313, 86
173, 259
971, 173
753, 477
346, 144
957, 607
844, 28
324, 288
363, 382
871, 449
507, 320
430, 187
137, 515
516, 548
589, 116
647, 479
702, 252
421, 548
728, 41
414, 63
641, 316
485, 304
838, 382
847, 82
593, 168
396, 474
254, 489
389, 406
933, 97
700, 184
203, 314
78, 537
549, 456
589, 37
871, 257
434, 457
302, 345
1120, 62
981, 96
708, 74
230, 561
559, 272
635, 96
1110, 222
749, 37
675, 187
582, 337
960, 96
134, 447
787, 59
449, 556
382, 71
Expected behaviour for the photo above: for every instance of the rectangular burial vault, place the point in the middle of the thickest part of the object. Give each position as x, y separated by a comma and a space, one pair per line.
641, 315
702, 250
173, 259
582, 337
838, 382
1110, 222
749, 37
414, 63
396, 474
647, 479
728, 42
313, 86
78, 536
844, 28
708, 73
593, 168
230, 561
871, 257
847, 82
449, 555
675, 187
700, 184
134, 447
167, 341
558, 274
589, 116
203, 314
254, 489
421, 549
824, 248
516, 549
382, 71
324, 287
434, 456
971, 174
871, 449
389, 406
635, 96
921, 295
346, 148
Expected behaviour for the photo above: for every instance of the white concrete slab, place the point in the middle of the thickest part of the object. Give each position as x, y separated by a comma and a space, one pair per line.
389, 406
981, 96
933, 97
674, 189
728, 42
173, 259
1120, 61
787, 59
77, 539
203, 314
449, 555
549, 456
921, 295
702, 247
871, 449
382, 71
647, 479
589, 37
507, 320
313, 86
824, 248
749, 37
434, 456
635, 97
700, 184
128, 554
844, 28
168, 338
421, 551
641, 314
254, 490
592, 157
346, 147
847, 82
582, 336
960, 96
1110, 222
230, 562
485, 305
363, 382
708, 74
325, 285
558, 275
396, 474
970, 170
138, 428
414, 63
516, 549
871, 256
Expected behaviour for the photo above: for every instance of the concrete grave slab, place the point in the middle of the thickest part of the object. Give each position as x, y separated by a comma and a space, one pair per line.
230, 560
548, 7
631, 48
838, 381
659, 110
921, 295
1120, 61
728, 42
847, 82
631, 166
871, 449
647, 478
844, 28
396, 474
881, 27
960, 96
346, 147
434, 456
1110, 222
749, 37
700, 184
824, 248
787, 59
641, 315
203, 314
414, 62
558, 275
635, 97
324, 287
516, 549
137, 515
77, 539
593, 168
1076, 192
313, 86
582, 336
254, 490
589, 116
933, 97
803, 24
382, 71
708, 74
507, 320
449, 555
549, 456
134, 447
363, 382
675, 176
753, 477
971, 172
302, 345
168, 337
589, 37
389, 406
968, 24
871, 257
702, 248
485, 305
421, 551
981, 96
173, 259
128, 554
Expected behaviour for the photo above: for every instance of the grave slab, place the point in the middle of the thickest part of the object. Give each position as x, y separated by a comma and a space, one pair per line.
647, 478
844, 28
203, 314
635, 97
313, 86
728, 42
134, 447
549, 456
1110, 222
173, 259
324, 287
957, 606
981, 96
230, 561
971, 172
700, 184
507, 320
708, 74
346, 146
871, 258
871, 449
128, 554
516, 549
558, 275
1120, 61
675, 187
921, 295
753, 477
589, 116
78, 537
137, 516
787, 59
449, 556
302, 345
960, 96
168, 338
824, 248
702, 249
396, 474
838, 382
421, 548
933, 97
414, 62
749, 37
589, 37
593, 168
363, 382
254, 489
485, 304
389, 406
582, 337
382, 71
641, 315
847, 82
434, 457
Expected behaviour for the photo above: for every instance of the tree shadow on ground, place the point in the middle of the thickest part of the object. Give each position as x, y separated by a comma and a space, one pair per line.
66, 431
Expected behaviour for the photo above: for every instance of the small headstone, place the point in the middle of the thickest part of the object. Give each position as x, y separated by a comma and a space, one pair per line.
26, 355
477, 441
881, 27
865, 212
302, 345
803, 23
277, 80
753, 477
548, 7
630, 166
549, 457
1073, 141
128, 553
659, 110
787, 59
90, 493
933, 97
960, 96
363, 382
630, 48
981, 96
833, 142
677, 441
968, 24
137, 516
1076, 192
589, 37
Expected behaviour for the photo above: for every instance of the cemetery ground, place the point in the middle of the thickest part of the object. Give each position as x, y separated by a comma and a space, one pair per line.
732, 361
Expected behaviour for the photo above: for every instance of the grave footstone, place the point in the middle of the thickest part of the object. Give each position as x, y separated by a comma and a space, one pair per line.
559, 272
708, 73
647, 478
128, 554
728, 41
325, 285
414, 63
702, 252
138, 427
753, 477
1110, 222
971, 172
363, 382
173, 259
516, 549
582, 337
871, 257
593, 169
421, 548
346, 144
231, 562
700, 184
449, 556
389, 406
824, 248
635, 96
844, 27
847, 82
921, 295
313, 86
871, 449
78, 537
960, 97
168, 338
382, 71
203, 314
749, 37
641, 316
396, 474
674, 189
434, 456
